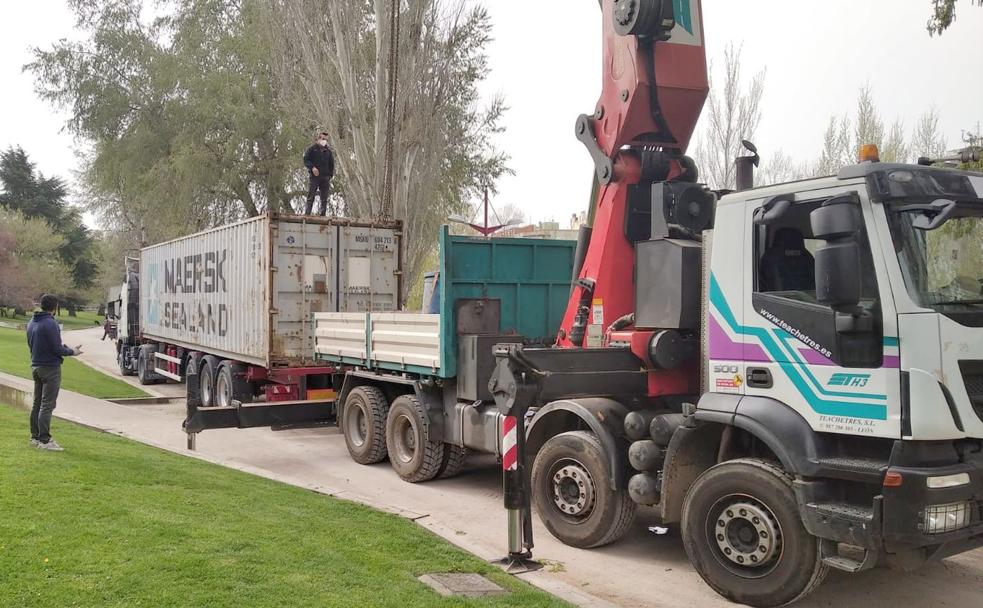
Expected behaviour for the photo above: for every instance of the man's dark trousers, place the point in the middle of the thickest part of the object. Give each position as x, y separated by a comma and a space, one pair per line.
47, 383
322, 183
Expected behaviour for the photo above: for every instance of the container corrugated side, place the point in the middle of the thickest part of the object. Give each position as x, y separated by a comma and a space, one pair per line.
210, 291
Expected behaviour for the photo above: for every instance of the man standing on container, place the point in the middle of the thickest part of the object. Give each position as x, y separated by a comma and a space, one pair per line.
319, 160
47, 353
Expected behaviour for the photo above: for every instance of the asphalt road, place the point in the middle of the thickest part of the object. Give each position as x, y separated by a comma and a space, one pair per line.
643, 569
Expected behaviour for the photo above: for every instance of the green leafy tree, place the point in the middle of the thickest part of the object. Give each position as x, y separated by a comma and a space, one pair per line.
943, 14
30, 264
180, 112
26, 190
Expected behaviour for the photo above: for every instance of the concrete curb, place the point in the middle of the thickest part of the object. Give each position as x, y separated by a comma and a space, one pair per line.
17, 391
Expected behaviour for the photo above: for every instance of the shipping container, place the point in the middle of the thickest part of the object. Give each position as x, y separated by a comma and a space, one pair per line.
246, 291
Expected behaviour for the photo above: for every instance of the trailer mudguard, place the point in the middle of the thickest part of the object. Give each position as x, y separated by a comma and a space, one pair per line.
604, 417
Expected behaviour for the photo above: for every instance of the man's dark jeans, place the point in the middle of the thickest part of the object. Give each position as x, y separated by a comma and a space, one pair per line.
47, 383
322, 183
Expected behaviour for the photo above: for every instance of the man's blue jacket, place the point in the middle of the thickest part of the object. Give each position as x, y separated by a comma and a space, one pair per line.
44, 339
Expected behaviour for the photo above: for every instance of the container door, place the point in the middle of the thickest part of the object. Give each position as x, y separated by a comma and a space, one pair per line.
304, 256
368, 262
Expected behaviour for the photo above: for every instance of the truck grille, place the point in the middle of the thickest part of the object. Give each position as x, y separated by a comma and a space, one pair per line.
972, 372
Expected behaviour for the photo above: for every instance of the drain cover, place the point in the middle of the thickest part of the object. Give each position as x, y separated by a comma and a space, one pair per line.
461, 585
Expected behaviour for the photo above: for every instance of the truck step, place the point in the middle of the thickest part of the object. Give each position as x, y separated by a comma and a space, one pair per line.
854, 469
845, 512
830, 551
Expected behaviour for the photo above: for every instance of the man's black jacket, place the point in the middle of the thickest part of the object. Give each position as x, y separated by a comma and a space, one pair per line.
320, 157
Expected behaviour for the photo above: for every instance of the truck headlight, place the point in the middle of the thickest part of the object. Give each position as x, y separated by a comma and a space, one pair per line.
948, 481
938, 519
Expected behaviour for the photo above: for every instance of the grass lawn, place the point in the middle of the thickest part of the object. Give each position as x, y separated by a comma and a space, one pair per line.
84, 320
111, 522
15, 359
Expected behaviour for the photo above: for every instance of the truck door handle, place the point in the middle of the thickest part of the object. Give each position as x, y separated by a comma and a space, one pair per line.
759, 377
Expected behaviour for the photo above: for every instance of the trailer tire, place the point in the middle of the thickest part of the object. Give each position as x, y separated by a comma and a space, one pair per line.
145, 373
363, 423
571, 487
454, 458
223, 385
412, 454
745, 511
207, 374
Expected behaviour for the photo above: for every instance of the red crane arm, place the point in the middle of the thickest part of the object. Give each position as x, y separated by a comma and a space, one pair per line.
653, 89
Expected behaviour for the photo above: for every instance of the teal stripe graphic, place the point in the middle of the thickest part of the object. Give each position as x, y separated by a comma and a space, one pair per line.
892, 342
820, 405
784, 338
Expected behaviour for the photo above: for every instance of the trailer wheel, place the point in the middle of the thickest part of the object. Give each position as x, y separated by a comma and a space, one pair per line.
454, 459
743, 534
363, 422
207, 375
223, 385
121, 360
413, 455
145, 374
571, 486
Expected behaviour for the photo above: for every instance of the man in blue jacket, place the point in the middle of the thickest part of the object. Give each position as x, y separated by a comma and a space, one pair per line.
47, 353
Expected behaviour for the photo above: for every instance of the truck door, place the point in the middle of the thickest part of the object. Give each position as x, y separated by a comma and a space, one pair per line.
797, 353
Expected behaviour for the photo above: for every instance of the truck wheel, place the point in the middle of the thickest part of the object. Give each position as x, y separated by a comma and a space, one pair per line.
363, 422
121, 360
454, 458
223, 385
207, 374
411, 452
145, 374
742, 532
571, 486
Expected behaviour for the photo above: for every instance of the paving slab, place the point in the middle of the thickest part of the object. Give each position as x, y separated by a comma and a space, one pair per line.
644, 569
461, 584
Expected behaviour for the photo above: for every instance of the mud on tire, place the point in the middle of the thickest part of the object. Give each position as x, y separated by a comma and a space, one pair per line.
363, 423
571, 488
742, 533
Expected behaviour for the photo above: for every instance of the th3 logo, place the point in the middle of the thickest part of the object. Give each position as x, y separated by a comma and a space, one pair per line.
854, 380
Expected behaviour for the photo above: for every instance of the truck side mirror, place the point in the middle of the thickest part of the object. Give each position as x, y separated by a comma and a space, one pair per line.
837, 222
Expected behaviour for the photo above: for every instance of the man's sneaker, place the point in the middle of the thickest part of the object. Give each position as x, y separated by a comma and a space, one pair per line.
51, 446
34, 442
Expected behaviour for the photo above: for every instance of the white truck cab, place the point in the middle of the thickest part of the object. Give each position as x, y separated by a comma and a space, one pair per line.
844, 330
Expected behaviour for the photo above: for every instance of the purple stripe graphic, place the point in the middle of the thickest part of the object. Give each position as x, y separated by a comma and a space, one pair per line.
892, 361
813, 357
722, 347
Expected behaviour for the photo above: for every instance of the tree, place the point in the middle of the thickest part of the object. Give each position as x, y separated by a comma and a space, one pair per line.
332, 63
180, 112
927, 140
781, 168
30, 264
732, 114
943, 14
27, 191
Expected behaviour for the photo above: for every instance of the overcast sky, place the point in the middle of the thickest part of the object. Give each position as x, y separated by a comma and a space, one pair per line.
546, 62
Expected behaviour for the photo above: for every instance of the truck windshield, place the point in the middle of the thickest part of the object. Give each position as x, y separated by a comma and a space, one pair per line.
942, 268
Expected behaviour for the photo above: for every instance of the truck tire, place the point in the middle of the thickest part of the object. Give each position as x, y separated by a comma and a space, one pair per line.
571, 487
223, 385
412, 454
207, 374
121, 360
145, 365
454, 459
743, 534
363, 423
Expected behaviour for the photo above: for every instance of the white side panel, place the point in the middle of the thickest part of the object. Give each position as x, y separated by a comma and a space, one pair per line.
341, 334
210, 291
405, 339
